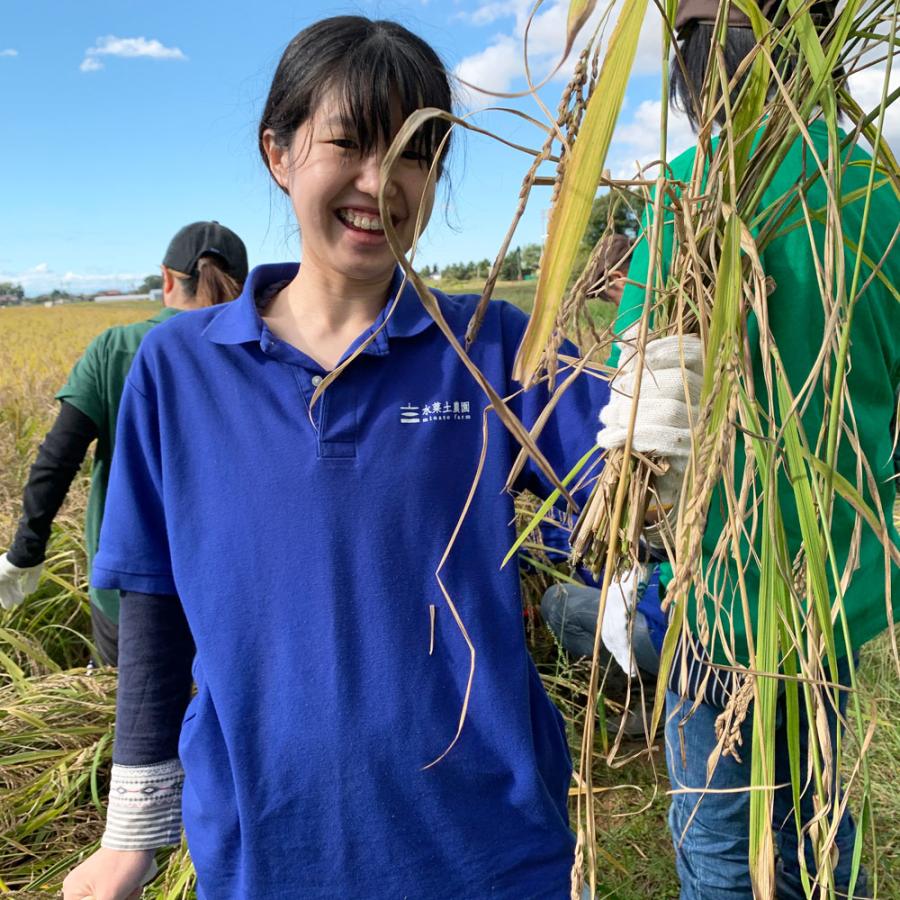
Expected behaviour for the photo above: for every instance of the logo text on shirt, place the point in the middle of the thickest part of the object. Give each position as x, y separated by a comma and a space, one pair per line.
437, 411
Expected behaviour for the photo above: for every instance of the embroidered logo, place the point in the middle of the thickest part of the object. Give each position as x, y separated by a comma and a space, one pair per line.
438, 411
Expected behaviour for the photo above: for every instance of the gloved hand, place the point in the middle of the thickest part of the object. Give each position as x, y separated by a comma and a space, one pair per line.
620, 601
16, 583
671, 380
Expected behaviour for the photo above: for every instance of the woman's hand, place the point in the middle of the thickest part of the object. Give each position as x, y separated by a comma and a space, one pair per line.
671, 376
110, 875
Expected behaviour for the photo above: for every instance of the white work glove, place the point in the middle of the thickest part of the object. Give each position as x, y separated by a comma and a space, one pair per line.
671, 379
620, 601
16, 583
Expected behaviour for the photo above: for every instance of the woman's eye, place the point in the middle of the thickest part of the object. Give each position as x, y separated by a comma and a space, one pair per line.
344, 143
415, 156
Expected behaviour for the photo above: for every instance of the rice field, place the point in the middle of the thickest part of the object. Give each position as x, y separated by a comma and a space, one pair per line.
56, 719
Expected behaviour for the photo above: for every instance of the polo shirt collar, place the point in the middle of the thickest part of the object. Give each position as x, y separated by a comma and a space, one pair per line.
240, 322
410, 317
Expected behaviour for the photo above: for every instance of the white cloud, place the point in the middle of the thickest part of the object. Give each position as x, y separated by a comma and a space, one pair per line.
9, 52
866, 87
501, 64
636, 139
42, 278
127, 48
494, 68
488, 13
75, 278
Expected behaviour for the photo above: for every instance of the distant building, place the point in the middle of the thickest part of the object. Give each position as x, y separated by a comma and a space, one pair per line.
156, 294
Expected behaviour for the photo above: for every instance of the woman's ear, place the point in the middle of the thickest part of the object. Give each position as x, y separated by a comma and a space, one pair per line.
168, 279
277, 157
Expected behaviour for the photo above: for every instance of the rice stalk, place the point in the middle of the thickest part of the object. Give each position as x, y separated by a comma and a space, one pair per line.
56, 751
714, 285
571, 209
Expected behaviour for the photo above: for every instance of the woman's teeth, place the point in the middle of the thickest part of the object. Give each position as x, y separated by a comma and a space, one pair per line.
357, 220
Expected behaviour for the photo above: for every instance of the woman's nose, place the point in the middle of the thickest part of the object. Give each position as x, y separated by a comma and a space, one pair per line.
369, 176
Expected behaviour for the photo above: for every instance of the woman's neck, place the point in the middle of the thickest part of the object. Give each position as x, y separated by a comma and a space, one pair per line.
322, 315
336, 302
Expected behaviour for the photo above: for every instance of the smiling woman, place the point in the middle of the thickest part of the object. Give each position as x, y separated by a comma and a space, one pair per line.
323, 135
333, 182
342, 741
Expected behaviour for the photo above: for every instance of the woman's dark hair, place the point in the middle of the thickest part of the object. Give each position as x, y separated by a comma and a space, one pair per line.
210, 284
689, 74
694, 42
373, 66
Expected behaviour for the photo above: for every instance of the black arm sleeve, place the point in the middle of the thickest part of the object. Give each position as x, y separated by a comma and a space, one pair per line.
156, 652
59, 458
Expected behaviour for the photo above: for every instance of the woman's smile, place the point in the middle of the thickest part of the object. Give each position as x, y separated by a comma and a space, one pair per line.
334, 187
366, 220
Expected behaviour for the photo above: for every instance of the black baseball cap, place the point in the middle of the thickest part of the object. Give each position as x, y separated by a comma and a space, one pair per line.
205, 239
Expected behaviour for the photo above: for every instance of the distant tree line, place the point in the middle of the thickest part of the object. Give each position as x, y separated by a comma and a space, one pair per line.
613, 211
522, 262
13, 294
150, 283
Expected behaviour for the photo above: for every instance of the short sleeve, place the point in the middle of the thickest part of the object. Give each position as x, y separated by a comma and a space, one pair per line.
632, 303
84, 388
134, 547
571, 429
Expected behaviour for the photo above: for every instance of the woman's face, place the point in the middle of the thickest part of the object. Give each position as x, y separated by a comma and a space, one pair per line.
334, 192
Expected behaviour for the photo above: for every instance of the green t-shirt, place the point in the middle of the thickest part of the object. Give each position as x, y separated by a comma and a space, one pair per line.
797, 322
95, 387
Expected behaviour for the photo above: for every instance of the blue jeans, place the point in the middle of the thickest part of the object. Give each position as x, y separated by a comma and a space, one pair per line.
711, 834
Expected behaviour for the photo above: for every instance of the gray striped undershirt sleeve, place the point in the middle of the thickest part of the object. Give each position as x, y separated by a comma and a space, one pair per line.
144, 809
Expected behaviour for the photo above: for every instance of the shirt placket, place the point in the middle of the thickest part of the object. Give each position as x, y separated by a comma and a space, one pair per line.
334, 412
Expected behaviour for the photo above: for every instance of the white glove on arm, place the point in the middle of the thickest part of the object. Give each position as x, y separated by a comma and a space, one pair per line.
614, 629
671, 380
16, 583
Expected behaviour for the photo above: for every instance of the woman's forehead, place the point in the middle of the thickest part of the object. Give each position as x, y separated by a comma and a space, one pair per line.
337, 110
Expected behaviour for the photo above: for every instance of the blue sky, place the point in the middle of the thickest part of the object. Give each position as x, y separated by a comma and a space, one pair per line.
125, 120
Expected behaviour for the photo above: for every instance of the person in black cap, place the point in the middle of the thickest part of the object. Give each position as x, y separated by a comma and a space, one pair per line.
204, 265
209, 260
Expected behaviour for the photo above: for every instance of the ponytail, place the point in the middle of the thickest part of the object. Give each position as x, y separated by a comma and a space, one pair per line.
211, 284
214, 284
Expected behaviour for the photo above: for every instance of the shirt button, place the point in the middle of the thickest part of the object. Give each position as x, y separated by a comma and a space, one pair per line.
316, 380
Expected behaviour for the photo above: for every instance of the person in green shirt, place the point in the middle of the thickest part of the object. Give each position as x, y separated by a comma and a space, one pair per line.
711, 830
205, 264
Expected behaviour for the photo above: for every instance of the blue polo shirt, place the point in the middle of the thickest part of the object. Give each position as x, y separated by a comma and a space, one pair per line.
332, 661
